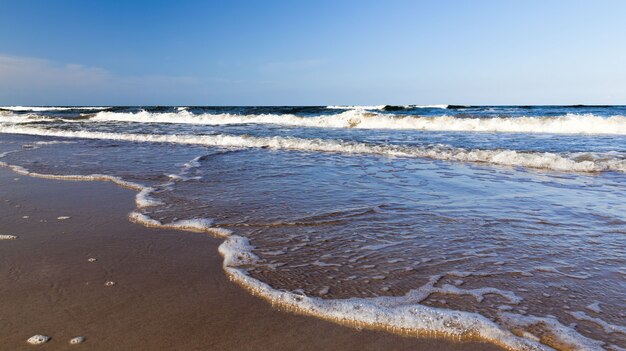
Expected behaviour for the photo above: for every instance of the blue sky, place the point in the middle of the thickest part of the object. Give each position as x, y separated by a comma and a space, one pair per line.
312, 53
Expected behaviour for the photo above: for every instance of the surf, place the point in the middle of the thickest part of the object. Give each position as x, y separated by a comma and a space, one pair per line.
361, 119
566, 162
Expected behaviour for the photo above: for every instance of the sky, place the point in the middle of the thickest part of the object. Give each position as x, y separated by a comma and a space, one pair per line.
152, 52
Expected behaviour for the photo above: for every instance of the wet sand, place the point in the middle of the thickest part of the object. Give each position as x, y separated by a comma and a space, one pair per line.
170, 292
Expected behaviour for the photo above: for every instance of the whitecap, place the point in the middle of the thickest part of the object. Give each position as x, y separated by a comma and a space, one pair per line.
576, 162
361, 118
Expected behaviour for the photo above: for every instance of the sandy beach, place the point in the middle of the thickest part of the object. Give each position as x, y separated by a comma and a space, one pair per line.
170, 292
310, 175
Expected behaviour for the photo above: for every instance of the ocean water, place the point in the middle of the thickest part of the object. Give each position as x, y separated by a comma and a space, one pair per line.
504, 223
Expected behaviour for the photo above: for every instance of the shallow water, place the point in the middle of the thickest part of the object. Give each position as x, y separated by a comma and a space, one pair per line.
526, 229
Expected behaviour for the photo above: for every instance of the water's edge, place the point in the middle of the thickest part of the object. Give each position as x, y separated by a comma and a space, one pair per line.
411, 319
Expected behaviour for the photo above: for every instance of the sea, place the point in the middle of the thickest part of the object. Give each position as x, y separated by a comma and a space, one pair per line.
500, 223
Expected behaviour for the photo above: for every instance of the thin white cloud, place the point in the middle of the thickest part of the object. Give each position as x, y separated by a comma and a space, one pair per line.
39, 81
20, 71
36, 81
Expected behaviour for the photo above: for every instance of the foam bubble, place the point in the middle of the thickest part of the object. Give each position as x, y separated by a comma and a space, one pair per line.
77, 340
38, 339
7, 237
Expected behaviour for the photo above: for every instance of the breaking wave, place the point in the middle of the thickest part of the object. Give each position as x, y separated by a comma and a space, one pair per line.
383, 107
359, 119
568, 162
356, 107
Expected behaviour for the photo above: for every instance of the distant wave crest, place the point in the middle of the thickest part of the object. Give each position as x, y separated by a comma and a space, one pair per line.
567, 124
383, 107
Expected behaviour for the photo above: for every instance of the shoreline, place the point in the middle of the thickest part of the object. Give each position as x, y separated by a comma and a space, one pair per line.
179, 274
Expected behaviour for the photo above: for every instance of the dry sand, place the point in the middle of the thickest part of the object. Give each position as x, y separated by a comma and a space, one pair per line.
170, 292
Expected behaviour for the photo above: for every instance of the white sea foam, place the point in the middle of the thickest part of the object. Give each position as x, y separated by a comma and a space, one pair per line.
200, 225
399, 314
576, 162
342, 120
402, 314
380, 107
608, 328
7, 237
356, 107
91, 177
427, 106
188, 166
562, 334
7, 117
3, 154
143, 198
53, 142
361, 119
